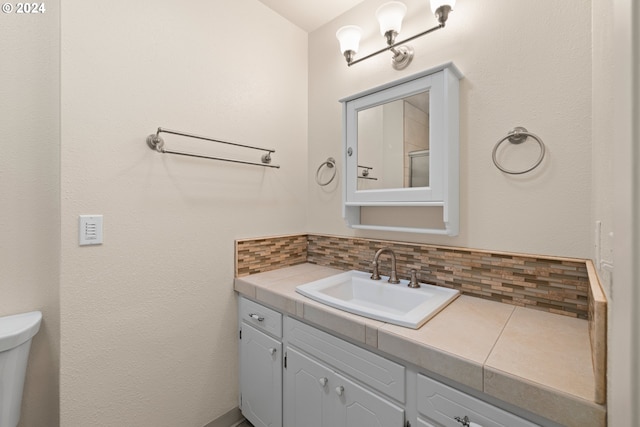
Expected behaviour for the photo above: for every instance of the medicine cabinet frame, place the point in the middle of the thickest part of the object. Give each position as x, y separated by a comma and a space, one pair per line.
442, 83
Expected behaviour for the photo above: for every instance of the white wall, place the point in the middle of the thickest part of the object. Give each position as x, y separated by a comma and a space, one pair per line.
29, 194
603, 130
148, 318
624, 326
526, 63
603, 159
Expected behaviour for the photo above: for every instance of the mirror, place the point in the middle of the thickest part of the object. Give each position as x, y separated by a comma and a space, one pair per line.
393, 144
401, 147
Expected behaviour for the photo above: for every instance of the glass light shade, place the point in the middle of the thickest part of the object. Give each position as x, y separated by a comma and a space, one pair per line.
390, 16
349, 37
435, 4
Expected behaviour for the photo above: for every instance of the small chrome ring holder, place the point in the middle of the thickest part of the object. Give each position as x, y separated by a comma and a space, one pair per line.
518, 136
331, 164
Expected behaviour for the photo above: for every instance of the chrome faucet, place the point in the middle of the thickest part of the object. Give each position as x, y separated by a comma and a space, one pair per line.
393, 277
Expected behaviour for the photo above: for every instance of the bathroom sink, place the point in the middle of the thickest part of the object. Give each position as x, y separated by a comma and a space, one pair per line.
355, 292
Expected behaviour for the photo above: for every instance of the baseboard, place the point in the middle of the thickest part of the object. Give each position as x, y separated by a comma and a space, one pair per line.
229, 419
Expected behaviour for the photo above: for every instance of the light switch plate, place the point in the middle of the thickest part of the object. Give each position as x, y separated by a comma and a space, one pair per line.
90, 230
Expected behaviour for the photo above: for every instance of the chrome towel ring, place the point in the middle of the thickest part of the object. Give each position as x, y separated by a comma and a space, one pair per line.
330, 163
517, 136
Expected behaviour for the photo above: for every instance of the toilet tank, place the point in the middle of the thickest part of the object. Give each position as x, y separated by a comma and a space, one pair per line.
15, 342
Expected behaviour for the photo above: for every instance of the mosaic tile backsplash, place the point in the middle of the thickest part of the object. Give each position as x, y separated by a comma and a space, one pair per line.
556, 285
264, 254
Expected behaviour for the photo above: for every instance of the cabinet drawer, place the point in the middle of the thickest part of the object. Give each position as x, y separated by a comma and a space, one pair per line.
261, 317
375, 371
443, 404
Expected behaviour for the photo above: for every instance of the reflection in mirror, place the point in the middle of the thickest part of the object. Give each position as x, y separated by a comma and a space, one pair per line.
393, 144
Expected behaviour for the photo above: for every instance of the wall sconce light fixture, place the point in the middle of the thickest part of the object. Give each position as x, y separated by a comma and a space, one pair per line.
390, 17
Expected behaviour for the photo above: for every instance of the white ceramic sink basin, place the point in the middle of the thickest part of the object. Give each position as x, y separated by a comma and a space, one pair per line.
355, 292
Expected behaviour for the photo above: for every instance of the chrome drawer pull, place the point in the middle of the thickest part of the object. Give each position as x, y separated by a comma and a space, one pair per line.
466, 422
256, 317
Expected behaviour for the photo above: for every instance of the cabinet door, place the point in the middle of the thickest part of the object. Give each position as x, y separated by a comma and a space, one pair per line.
307, 392
316, 396
359, 407
260, 378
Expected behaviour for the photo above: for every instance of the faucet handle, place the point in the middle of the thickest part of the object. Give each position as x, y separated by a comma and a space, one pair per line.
413, 283
375, 275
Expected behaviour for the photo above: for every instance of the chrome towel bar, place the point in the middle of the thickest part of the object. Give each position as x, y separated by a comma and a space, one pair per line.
365, 173
155, 142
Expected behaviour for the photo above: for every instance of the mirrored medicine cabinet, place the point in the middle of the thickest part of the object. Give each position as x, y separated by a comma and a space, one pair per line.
401, 150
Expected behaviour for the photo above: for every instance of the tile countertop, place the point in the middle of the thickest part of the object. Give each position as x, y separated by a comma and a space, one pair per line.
535, 360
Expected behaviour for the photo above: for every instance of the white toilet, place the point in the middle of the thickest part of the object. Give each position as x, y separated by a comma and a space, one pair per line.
15, 341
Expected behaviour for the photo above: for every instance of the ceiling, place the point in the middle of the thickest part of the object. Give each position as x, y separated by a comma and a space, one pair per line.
310, 14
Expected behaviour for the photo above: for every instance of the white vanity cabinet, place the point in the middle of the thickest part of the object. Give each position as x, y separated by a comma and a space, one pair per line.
441, 405
318, 392
295, 375
260, 351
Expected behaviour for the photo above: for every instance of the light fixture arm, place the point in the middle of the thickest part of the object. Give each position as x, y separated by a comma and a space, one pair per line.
393, 47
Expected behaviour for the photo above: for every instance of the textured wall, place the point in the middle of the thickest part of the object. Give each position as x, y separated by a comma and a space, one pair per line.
149, 317
616, 39
526, 63
603, 131
602, 149
29, 195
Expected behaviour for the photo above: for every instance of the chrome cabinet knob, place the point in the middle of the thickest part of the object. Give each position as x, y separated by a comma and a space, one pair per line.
272, 351
323, 381
340, 390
